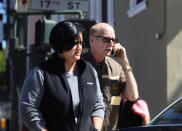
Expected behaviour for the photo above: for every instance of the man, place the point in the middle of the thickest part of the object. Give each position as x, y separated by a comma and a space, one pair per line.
114, 73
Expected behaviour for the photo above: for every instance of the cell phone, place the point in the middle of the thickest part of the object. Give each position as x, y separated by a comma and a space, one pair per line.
115, 53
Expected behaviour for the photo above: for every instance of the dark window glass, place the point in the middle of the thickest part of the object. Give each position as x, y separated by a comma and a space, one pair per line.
1, 16
138, 1
172, 116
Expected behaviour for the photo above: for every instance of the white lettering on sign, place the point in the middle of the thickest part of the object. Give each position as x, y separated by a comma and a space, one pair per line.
60, 5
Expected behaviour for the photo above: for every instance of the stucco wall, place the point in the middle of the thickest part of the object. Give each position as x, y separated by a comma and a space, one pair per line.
174, 49
147, 54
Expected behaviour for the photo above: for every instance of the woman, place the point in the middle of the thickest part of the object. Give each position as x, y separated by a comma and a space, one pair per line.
63, 93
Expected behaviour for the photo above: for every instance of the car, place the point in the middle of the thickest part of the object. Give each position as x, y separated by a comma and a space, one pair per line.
170, 119
170, 115
170, 127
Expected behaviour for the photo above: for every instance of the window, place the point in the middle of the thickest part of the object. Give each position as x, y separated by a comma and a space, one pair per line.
138, 1
136, 6
172, 115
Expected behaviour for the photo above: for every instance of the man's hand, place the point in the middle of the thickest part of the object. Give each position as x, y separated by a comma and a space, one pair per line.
120, 53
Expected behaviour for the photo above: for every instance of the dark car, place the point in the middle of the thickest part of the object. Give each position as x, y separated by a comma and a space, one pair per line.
170, 127
170, 115
170, 119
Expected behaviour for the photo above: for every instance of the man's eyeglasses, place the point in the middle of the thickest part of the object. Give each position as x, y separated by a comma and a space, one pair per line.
107, 39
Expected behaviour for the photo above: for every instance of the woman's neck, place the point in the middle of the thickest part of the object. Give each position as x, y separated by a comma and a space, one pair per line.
70, 67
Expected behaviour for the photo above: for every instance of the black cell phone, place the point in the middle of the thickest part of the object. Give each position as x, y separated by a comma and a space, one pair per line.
115, 53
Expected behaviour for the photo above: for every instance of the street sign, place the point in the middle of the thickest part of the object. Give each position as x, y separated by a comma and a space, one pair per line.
60, 5
53, 5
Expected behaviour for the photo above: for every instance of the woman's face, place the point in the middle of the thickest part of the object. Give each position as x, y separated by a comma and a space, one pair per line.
73, 54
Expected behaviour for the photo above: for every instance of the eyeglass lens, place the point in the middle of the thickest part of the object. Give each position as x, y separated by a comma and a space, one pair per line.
107, 39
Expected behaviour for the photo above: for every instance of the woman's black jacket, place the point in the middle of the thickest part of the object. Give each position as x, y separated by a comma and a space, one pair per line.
57, 105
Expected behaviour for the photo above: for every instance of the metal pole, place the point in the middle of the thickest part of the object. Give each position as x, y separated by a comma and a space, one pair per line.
28, 47
14, 97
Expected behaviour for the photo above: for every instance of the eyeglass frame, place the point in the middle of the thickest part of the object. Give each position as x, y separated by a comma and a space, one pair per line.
107, 39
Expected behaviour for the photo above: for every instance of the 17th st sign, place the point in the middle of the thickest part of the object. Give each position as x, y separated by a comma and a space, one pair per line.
53, 5
82, 5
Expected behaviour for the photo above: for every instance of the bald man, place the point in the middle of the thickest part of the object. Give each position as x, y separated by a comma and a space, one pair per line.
115, 75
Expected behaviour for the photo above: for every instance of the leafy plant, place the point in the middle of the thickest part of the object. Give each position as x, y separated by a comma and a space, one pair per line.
2, 69
2, 61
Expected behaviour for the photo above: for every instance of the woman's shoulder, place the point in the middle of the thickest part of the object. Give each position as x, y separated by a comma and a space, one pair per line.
85, 65
36, 71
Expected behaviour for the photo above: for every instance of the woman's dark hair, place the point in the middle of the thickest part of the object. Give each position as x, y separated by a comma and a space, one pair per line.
63, 35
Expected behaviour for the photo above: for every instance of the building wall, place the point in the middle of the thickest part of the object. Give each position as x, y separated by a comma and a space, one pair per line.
174, 49
147, 55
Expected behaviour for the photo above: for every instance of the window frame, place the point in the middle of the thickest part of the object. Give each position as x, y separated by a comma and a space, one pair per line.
136, 8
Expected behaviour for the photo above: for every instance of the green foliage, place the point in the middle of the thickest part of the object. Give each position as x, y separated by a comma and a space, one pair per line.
2, 69
2, 61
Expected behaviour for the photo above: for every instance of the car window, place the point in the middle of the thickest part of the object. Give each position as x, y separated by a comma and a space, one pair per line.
173, 115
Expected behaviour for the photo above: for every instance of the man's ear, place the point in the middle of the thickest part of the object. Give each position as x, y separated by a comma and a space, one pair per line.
91, 38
